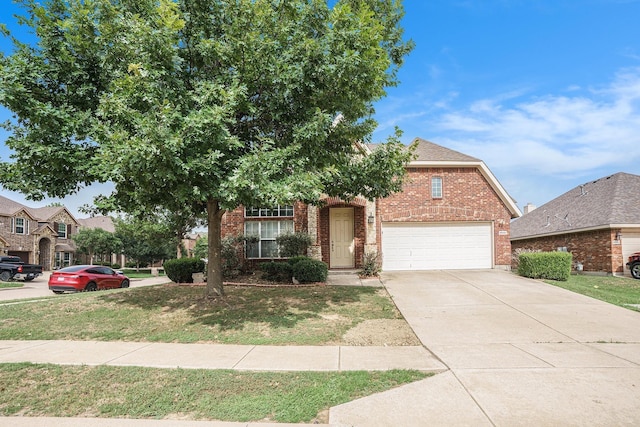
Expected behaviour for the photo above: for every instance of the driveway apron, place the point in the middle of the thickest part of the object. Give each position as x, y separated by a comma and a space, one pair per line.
519, 352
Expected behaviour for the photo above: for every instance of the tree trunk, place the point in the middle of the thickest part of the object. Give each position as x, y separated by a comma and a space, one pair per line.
214, 265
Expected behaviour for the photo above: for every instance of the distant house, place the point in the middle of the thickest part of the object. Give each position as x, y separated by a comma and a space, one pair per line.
452, 213
598, 222
37, 235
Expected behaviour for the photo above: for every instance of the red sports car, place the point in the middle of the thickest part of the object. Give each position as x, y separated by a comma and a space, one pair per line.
86, 278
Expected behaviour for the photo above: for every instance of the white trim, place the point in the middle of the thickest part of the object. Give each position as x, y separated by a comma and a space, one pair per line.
576, 230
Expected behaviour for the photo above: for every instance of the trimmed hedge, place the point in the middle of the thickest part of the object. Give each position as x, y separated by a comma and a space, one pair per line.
277, 271
545, 265
180, 270
310, 271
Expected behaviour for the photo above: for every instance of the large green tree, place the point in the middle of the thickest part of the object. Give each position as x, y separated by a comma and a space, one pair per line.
202, 105
97, 242
145, 241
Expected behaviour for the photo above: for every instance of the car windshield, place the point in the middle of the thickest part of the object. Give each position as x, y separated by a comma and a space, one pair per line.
72, 269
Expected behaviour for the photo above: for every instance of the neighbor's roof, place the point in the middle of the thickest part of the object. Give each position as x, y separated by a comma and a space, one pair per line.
103, 222
609, 202
9, 207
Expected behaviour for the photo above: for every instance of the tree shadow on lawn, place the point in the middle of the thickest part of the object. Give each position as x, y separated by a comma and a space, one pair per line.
277, 307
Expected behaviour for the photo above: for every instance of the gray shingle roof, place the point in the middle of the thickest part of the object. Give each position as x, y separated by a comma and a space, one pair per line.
606, 201
428, 151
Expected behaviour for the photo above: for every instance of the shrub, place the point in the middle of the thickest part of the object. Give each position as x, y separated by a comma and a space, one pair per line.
293, 244
277, 271
296, 259
115, 266
181, 270
370, 264
545, 265
310, 270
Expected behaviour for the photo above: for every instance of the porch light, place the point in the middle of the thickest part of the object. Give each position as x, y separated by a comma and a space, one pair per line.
370, 219
618, 235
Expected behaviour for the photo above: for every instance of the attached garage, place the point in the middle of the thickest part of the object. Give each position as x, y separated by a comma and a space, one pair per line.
630, 244
435, 246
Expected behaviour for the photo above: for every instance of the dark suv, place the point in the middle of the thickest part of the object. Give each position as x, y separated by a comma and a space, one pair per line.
634, 265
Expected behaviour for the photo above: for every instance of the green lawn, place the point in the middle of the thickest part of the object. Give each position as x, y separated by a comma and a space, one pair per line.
11, 284
317, 315
134, 392
621, 291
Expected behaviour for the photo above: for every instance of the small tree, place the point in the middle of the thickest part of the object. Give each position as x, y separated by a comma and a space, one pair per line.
96, 242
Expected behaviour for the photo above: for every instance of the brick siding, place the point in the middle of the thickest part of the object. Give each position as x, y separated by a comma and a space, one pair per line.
596, 250
466, 196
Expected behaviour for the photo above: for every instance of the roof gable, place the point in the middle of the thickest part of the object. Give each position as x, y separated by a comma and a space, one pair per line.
609, 201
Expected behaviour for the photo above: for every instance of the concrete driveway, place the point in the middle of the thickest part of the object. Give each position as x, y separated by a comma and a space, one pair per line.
519, 352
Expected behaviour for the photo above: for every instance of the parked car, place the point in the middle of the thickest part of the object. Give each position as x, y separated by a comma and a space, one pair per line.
12, 268
634, 265
79, 278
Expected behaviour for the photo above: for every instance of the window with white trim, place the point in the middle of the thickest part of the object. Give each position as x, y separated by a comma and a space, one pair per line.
62, 230
285, 210
21, 226
266, 231
436, 187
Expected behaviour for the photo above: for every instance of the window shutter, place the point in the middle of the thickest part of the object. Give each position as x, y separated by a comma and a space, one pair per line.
13, 225
26, 226
68, 231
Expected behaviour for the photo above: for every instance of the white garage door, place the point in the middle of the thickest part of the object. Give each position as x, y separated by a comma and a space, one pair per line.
630, 244
422, 246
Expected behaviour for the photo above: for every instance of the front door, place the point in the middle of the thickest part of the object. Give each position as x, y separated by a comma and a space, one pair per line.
341, 235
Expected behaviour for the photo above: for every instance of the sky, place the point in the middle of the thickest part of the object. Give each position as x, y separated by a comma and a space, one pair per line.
545, 92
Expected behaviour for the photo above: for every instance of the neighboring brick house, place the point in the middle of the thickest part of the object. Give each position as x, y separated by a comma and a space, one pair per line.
37, 235
598, 222
451, 214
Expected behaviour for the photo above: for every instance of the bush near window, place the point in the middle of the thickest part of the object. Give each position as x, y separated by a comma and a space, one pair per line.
277, 271
293, 244
181, 270
545, 265
310, 270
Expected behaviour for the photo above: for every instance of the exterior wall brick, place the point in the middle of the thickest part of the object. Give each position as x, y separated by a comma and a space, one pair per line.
466, 196
597, 250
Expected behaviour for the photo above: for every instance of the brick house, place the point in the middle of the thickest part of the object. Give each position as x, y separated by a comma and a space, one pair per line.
37, 235
598, 222
451, 214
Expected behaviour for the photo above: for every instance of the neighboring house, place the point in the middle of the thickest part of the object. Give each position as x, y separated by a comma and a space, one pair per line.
105, 223
37, 235
451, 214
598, 222
189, 242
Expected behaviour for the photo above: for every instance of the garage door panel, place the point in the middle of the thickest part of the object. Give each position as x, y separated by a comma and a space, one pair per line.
424, 246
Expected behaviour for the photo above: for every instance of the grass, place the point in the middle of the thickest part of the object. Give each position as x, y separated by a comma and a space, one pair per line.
134, 392
620, 291
169, 313
11, 285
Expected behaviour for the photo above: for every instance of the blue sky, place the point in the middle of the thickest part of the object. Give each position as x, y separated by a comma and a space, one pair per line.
546, 92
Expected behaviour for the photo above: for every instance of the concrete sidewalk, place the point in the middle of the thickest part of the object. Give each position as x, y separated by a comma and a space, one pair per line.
219, 356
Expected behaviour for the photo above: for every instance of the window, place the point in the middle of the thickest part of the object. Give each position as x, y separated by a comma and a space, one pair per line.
266, 231
436, 187
269, 212
63, 259
62, 230
21, 226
